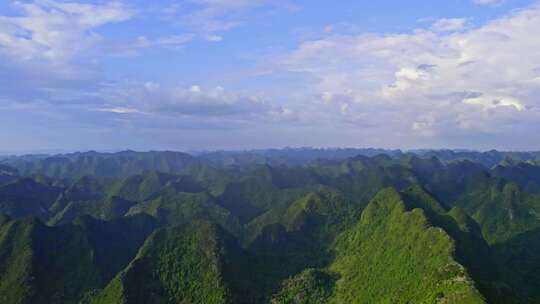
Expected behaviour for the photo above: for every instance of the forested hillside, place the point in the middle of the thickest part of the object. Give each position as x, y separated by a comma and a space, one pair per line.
275, 226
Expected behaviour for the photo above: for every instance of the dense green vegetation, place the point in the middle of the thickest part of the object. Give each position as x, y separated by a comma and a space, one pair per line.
193, 263
273, 226
41, 264
309, 287
395, 256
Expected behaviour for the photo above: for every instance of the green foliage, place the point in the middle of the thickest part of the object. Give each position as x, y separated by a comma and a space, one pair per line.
526, 174
395, 256
503, 210
260, 190
360, 178
519, 264
174, 208
321, 214
140, 187
33, 260
449, 230
471, 250
309, 287
25, 197
289, 241
107, 209
193, 263
40, 264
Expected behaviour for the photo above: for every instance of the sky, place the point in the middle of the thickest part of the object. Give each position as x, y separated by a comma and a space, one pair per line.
242, 74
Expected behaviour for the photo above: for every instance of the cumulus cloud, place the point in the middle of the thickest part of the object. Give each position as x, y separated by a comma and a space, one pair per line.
50, 45
51, 51
50, 54
442, 80
63, 36
447, 79
54, 31
449, 24
191, 101
490, 102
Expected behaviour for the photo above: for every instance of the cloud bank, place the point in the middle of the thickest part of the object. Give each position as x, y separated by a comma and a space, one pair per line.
448, 83
442, 81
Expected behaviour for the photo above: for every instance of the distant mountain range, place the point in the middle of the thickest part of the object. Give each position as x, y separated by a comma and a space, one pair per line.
271, 226
129, 162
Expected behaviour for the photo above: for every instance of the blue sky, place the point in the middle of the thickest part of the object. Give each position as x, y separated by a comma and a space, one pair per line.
238, 74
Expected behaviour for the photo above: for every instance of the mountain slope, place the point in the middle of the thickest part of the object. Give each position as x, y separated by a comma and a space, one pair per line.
193, 263
126, 163
33, 259
395, 256
502, 209
27, 197
40, 264
7, 174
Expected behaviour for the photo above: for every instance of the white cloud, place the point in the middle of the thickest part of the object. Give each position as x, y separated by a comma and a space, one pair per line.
64, 34
482, 79
490, 102
190, 101
51, 53
56, 32
448, 78
448, 25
